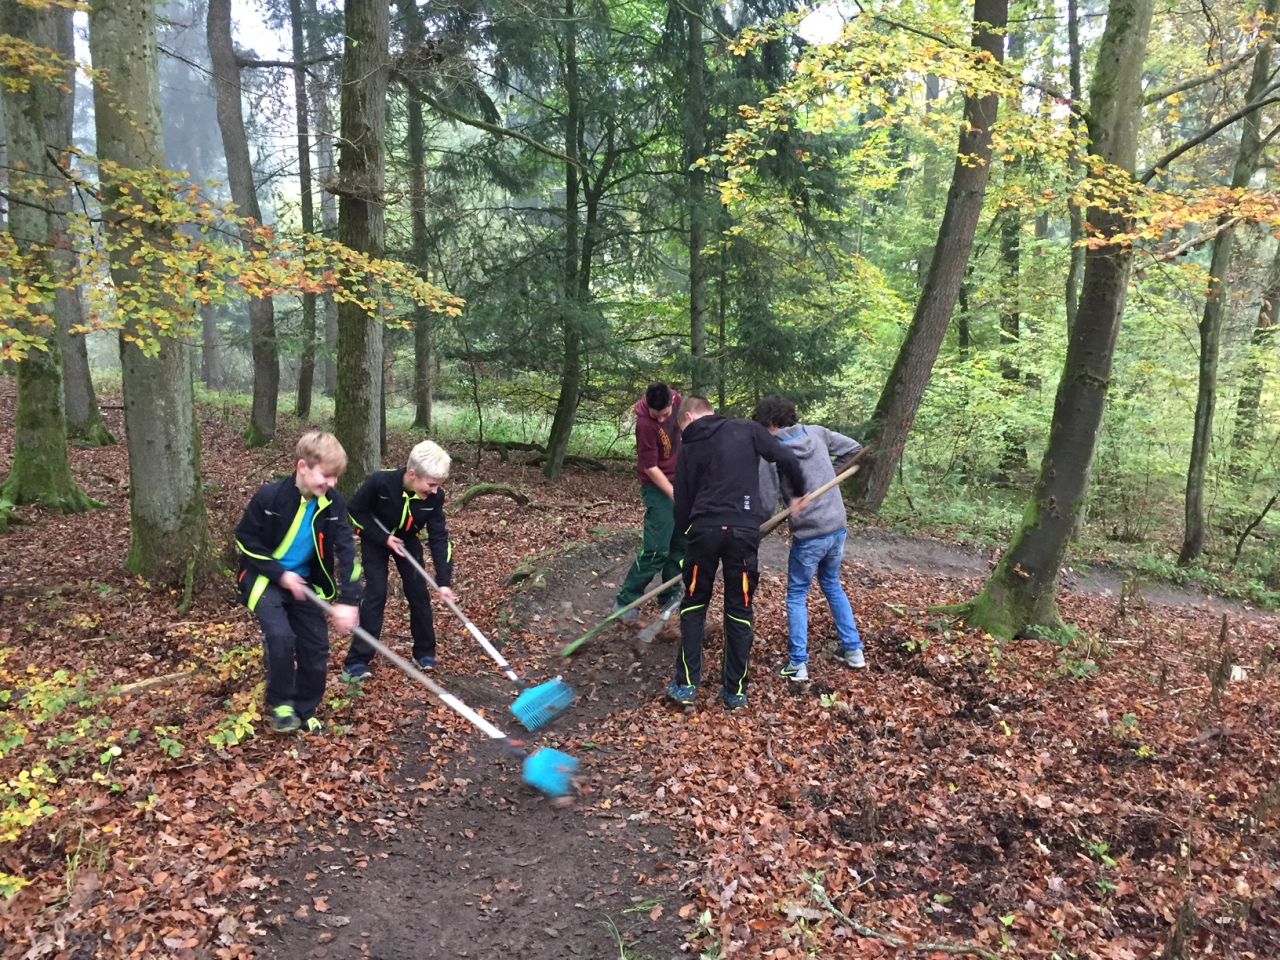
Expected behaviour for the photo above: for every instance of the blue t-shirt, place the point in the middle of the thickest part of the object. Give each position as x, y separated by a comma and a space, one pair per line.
303, 549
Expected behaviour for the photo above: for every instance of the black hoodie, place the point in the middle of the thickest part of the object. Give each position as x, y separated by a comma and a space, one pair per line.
718, 477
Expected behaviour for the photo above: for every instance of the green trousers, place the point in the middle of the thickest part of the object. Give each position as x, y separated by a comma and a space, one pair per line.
661, 552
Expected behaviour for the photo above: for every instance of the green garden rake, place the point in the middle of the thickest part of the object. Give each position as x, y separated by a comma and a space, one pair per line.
548, 771
536, 706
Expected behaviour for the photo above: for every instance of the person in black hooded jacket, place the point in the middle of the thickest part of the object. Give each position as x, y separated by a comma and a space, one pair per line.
410, 504
717, 502
294, 538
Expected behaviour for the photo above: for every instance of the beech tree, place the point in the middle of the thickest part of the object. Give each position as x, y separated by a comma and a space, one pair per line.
40, 472
170, 539
1022, 591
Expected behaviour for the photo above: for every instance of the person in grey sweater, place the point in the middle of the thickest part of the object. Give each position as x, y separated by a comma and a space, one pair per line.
817, 535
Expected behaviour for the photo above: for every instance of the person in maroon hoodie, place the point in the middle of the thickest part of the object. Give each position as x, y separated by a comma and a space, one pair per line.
657, 448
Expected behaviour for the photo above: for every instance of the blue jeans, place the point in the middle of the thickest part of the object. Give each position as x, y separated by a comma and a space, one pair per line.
820, 555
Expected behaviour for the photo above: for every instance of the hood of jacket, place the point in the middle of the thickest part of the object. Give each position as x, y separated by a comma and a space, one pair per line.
704, 428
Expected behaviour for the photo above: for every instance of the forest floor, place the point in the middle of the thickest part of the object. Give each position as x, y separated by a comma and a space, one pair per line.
1092, 795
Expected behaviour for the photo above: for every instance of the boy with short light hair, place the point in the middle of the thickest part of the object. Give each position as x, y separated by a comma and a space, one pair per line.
409, 503
294, 538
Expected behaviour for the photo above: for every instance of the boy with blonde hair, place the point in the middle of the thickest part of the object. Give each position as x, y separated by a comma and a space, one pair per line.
409, 503
294, 537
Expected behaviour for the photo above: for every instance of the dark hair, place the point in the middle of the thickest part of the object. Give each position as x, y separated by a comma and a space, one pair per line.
775, 411
658, 396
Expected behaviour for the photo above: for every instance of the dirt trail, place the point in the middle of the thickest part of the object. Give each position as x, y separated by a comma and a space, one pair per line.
489, 868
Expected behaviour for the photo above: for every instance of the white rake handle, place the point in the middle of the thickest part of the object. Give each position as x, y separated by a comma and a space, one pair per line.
413, 673
489, 648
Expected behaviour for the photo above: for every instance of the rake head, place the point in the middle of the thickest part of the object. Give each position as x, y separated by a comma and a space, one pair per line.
538, 706
550, 772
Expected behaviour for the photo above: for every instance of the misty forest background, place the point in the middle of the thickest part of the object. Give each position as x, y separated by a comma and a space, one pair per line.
957, 233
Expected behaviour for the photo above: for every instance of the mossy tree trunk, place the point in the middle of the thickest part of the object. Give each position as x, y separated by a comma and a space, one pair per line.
1217, 300
362, 226
1022, 591
904, 389
40, 472
235, 142
170, 537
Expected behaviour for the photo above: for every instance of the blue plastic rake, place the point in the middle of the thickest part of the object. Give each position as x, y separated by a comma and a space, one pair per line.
548, 771
536, 706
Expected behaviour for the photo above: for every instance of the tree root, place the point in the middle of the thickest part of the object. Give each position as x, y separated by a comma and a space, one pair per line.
485, 489
955, 949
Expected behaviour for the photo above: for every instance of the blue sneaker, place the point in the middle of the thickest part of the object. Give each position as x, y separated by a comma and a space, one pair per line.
356, 673
685, 694
426, 663
733, 701
630, 618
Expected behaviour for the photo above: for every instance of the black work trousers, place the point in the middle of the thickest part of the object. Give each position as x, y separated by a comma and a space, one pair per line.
734, 549
295, 638
375, 557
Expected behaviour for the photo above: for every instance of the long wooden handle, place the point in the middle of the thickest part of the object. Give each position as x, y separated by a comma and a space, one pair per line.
413, 673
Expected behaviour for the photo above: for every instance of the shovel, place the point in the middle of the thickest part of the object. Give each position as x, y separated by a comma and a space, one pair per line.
548, 771
536, 706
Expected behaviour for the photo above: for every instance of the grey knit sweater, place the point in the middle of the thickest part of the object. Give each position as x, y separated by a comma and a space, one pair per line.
822, 454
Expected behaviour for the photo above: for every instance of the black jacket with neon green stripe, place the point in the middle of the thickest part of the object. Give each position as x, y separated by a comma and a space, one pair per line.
270, 524
383, 498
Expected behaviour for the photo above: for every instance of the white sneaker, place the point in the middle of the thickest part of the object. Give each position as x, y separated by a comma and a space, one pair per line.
853, 658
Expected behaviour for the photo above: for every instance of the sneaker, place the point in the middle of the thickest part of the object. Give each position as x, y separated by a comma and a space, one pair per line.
284, 719
313, 726
630, 618
852, 658
733, 701
795, 671
685, 694
356, 672
425, 663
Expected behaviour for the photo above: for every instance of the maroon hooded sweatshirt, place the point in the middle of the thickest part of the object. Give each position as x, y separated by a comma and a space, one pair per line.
657, 444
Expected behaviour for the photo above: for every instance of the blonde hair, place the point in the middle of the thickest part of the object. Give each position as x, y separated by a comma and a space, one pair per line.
428, 459
322, 449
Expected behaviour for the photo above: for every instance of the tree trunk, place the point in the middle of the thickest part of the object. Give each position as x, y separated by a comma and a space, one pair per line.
570, 314
1075, 267
423, 318
211, 354
325, 172
262, 324
362, 226
1219, 294
1021, 592
84, 419
1249, 402
695, 147
40, 472
170, 539
904, 390
307, 365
